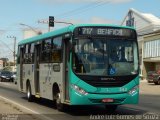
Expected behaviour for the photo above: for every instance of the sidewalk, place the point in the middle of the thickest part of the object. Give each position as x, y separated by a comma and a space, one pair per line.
144, 80
8, 111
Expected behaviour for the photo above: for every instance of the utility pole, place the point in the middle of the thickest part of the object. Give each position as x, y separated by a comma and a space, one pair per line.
14, 49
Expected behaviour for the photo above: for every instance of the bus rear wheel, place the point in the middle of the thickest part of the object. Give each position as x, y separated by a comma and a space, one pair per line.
60, 106
29, 93
111, 108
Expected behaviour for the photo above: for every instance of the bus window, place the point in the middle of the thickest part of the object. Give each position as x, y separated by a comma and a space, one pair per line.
123, 57
90, 56
29, 54
46, 50
32, 52
47, 44
25, 53
57, 50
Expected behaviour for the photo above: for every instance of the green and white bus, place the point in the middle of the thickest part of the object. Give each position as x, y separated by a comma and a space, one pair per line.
86, 64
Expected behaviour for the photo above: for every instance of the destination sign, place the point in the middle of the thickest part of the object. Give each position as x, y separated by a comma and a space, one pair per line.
105, 31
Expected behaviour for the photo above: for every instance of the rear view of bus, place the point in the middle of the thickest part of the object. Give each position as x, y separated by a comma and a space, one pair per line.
104, 66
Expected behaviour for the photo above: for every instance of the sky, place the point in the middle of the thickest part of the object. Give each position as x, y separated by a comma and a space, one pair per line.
29, 12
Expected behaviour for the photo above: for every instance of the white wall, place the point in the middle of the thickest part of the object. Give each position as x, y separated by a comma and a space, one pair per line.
28, 34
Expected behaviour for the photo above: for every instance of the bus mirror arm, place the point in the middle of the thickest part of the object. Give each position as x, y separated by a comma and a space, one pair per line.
71, 47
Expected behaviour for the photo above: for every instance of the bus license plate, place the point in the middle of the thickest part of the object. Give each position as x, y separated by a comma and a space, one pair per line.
107, 100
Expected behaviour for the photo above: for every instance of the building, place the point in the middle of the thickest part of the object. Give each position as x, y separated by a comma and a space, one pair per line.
4, 61
1, 64
147, 26
151, 52
27, 33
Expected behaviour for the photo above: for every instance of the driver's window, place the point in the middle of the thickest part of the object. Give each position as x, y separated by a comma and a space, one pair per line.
88, 47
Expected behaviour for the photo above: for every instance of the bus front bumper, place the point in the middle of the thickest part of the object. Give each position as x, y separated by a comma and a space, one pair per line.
97, 99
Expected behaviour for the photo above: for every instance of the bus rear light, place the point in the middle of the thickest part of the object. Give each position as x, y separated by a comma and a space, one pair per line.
133, 91
78, 89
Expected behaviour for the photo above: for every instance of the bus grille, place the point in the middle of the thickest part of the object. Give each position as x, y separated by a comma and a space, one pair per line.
109, 81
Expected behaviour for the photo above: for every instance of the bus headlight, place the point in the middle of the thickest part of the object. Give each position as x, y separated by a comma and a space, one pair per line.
133, 91
78, 89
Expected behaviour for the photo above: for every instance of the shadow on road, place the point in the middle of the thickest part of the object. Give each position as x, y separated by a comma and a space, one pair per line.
100, 110
147, 103
91, 110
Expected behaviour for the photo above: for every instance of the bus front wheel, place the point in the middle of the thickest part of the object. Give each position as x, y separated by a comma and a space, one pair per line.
60, 106
29, 93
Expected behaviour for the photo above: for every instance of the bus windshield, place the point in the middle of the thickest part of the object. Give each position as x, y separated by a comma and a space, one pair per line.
105, 57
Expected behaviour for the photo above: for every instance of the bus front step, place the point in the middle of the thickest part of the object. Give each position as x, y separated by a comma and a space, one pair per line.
37, 95
67, 102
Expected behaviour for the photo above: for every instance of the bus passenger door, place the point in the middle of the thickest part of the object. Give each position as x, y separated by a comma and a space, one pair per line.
66, 67
36, 68
21, 67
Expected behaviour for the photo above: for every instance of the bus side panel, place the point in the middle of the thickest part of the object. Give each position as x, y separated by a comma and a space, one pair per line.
18, 77
28, 74
50, 73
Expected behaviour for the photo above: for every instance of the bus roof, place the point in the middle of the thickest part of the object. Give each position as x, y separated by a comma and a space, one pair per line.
65, 30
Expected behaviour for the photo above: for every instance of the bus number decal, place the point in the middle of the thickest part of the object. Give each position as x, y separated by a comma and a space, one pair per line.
122, 89
87, 31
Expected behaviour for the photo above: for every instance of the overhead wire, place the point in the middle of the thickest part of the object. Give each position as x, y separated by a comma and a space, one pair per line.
83, 8
6, 46
80, 8
70, 13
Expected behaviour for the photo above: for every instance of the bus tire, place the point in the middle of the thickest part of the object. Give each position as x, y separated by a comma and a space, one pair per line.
111, 108
60, 106
29, 93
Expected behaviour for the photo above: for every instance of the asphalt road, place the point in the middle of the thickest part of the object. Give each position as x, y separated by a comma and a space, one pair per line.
149, 104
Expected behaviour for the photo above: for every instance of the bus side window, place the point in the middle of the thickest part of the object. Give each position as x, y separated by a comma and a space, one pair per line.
46, 50
25, 53
29, 54
18, 55
57, 50
32, 52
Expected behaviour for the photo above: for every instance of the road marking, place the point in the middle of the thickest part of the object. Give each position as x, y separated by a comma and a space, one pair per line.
34, 112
